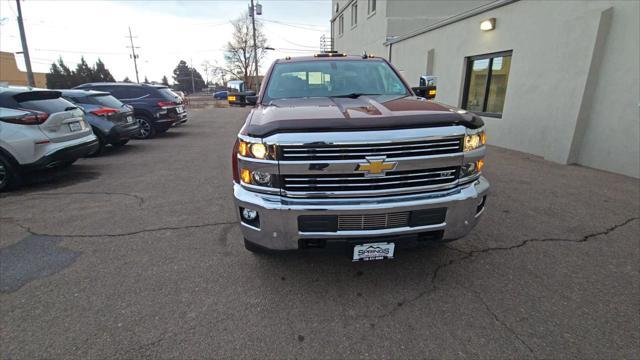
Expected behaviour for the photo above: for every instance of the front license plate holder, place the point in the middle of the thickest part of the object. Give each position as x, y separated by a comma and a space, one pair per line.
373, 251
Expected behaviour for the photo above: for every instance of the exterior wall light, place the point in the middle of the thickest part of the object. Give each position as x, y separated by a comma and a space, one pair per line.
488, 24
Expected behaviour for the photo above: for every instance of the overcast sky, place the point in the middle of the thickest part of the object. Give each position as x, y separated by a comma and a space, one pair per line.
167, 31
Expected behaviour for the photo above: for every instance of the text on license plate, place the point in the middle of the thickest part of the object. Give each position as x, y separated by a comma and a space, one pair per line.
180, 109
129, 119
75, 126
373, 251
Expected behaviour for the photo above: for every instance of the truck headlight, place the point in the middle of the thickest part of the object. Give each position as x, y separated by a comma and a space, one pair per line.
474, 140
254, 150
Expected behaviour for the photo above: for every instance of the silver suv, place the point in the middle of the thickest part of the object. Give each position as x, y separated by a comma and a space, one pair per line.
38, 130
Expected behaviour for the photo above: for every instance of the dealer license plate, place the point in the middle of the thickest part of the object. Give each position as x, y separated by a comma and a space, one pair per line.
180, 109
75, 126
373, 251
129, 119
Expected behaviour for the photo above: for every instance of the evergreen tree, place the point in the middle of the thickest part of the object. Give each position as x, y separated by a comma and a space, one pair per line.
55, 79
146, 81
101, 73
165, 81
83, 73
126, 79
182, 78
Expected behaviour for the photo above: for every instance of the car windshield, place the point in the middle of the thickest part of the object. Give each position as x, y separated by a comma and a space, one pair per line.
343, 78
107, 100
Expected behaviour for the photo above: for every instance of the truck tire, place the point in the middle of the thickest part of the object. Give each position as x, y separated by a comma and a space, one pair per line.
10, 177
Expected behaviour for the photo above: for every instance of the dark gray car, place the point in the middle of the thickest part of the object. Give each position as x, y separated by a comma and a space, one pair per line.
112, 121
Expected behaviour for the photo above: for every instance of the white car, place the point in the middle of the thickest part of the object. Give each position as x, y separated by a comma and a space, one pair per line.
38, 130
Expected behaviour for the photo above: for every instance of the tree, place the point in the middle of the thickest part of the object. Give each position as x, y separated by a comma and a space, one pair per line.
146, 81
239, 54
126, 79
101, 73
60, 76
165, 81
83, 73
182, 78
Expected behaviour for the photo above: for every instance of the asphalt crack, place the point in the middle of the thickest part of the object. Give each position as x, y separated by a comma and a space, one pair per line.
500, 321
139, 199
470, 254
164, 228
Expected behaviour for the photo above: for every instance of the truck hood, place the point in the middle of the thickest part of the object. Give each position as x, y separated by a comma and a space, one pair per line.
346, 114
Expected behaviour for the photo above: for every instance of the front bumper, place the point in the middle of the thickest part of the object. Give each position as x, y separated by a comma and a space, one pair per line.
278, 216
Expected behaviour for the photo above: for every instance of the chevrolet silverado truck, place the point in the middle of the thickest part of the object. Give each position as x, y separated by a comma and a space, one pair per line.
338, 151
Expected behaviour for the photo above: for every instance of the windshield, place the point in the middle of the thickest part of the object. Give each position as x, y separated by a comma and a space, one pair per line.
333, 78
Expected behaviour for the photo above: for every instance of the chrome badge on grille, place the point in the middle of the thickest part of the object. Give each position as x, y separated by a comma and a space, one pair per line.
376, 166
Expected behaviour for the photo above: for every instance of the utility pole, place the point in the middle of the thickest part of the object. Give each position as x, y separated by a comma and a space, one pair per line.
134, 56
25, 48
252, 13
193, 84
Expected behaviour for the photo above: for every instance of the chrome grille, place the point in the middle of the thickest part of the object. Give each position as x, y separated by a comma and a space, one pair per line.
359, 182
373, 221
360, 151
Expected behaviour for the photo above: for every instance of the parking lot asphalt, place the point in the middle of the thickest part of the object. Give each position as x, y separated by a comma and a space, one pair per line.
137, 254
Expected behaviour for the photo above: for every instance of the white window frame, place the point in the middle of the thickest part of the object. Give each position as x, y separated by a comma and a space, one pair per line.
369, 11
354, 14
341, 24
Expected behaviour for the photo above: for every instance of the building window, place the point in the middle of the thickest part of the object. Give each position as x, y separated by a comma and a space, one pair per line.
486, 83
354, 14
371, 7
341, 25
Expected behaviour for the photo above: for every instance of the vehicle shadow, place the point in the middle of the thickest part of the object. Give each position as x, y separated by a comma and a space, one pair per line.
127, 149
56, 178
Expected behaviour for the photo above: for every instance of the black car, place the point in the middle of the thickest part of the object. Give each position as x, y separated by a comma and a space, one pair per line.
156, 107
112, 121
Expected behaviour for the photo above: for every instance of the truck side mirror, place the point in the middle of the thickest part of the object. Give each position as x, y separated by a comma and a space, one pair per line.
251, 99
420, 91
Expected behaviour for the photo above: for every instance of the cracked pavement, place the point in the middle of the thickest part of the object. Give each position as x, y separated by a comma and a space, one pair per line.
136, 254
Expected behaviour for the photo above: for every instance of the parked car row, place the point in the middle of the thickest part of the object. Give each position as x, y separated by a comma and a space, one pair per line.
42, 128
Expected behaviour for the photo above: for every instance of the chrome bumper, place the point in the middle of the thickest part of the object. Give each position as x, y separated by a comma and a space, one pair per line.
279, 215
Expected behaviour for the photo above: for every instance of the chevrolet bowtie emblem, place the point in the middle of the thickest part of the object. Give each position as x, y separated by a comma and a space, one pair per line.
376, 166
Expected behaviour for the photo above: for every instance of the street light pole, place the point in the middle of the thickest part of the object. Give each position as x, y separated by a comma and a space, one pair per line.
193, 84
25, 48
255, 44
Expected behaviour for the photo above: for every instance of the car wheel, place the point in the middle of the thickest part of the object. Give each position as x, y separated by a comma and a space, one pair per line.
10, 177
120, 143
101, 145
146, 129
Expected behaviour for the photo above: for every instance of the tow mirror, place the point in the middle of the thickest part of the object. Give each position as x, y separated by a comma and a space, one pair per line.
252, 99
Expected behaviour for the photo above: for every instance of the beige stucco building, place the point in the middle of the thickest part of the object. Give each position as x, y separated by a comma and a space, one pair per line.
11, 74
558, 79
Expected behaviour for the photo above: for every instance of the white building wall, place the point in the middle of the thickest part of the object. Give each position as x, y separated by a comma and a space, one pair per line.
570, 98
370, 33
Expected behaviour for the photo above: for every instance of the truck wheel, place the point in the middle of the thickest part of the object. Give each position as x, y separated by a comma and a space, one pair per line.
10, 177
253, 247
146, 128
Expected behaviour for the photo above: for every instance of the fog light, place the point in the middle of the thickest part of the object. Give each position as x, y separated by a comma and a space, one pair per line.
245, 176
261, 178
249, 214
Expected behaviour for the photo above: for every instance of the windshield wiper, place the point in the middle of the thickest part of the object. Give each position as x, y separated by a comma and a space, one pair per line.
353, 95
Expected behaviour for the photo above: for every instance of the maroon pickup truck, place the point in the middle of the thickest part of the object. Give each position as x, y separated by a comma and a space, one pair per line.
338, 151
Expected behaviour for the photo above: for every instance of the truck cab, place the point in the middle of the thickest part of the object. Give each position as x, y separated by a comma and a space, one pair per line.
338, 150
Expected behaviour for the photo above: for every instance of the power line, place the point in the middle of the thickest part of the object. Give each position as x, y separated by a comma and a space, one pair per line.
294, 26
82, 52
